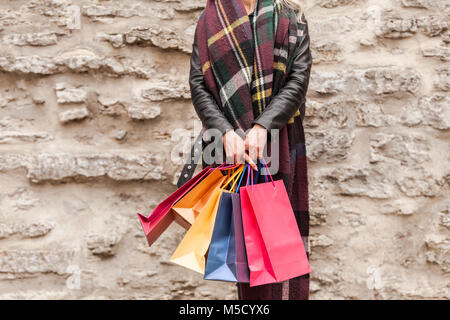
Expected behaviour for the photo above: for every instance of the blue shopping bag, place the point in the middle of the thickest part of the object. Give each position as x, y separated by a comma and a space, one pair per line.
226, 259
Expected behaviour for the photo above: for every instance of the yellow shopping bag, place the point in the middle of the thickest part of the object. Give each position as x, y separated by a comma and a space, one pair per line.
191, 252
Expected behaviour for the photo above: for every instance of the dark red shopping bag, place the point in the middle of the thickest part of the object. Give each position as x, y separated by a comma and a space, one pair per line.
275, 249
162, 216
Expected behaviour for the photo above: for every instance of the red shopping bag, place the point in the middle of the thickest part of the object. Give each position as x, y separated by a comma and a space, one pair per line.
275, 249
261, 271
162, 216
165, 213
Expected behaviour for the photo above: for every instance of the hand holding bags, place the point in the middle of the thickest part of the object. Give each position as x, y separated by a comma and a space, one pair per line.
248, 236
275, 249
192, 249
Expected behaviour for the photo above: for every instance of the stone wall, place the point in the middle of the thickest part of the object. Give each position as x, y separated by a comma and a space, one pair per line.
91, 93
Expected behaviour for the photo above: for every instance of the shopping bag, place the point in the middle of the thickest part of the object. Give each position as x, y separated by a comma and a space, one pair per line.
190, 216
191, 251
242, 271
261, 270
222, 243
192, 203
273, 215
226, 259
162, 216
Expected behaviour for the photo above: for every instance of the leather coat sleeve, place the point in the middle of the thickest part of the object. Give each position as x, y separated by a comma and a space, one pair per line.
204, 103
292, 95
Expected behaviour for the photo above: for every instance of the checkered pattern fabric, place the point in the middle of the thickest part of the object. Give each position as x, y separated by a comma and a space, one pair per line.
245, 67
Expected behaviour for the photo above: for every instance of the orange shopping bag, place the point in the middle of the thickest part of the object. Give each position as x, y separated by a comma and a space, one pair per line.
191, 252
191, 204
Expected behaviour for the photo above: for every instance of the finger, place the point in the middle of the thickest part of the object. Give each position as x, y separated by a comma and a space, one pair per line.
228, 154
250, 161
236, 155
235, 148
256, 151
261, 149
240, 157
246, 143
231, 154
228, 150
230, 159
262, 137
253, 150
241, 151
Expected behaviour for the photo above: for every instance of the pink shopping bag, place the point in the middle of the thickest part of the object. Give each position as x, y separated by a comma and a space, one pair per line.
275, 249
261, 271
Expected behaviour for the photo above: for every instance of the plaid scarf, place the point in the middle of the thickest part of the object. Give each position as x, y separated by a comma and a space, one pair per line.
245, 68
